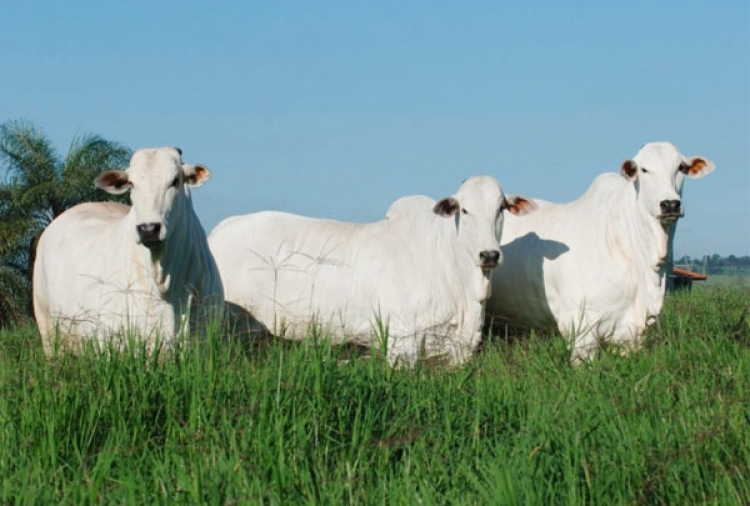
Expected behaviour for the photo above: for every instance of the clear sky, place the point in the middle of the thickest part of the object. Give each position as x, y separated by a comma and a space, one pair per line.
336, 109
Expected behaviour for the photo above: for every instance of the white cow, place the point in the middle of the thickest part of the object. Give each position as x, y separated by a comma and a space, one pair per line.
422, 273
597, 267
105, 269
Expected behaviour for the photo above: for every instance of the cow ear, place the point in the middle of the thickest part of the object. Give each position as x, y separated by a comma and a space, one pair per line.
629, 170
519, 205
697, 167
446, 207
196, 175
115, 182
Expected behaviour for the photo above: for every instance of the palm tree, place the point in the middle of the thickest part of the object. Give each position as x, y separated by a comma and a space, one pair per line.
14, 285
40, 186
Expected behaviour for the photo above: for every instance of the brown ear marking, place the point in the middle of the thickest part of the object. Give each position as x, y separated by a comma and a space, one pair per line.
518, 205
697, 166
108, 178
629, 169
446, 207
111, 178
113, 181
199, 173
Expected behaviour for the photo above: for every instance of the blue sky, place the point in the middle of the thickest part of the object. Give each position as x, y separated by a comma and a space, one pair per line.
336, 109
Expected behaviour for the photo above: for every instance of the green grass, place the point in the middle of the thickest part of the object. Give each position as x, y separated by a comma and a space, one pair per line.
725, 281
292, 423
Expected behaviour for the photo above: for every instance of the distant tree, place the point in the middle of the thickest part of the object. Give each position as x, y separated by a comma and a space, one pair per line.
14, 285
38, 187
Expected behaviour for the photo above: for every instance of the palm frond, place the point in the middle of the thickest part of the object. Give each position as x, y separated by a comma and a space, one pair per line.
14, 295
28, 153
14, 230
88, 156
39, 195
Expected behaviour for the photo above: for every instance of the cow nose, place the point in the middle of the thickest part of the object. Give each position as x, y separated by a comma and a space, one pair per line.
149, 233
489, 258
670, 207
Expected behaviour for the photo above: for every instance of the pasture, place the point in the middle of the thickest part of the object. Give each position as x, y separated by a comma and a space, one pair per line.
729, 280
295, 423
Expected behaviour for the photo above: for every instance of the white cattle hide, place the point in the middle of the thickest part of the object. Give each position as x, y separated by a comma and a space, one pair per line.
596, 268
106, 270
420, 276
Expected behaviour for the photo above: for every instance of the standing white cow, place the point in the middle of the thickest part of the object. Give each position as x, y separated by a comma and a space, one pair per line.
105, 269
423, 272
597, 267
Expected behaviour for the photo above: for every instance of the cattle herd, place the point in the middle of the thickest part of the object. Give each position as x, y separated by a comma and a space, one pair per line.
421, 283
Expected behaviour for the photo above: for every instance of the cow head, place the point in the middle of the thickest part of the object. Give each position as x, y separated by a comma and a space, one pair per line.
158, 182
658, 172
478, 210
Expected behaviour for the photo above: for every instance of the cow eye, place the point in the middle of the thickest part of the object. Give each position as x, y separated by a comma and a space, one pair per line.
464, 211
175, 182
644, 170
683, 168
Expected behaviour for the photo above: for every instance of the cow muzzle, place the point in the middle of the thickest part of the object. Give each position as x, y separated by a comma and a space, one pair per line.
149, 234
488, 259
671, 210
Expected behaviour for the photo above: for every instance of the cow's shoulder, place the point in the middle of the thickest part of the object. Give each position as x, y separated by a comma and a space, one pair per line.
88, 216
605, 184
100, 210
410, 205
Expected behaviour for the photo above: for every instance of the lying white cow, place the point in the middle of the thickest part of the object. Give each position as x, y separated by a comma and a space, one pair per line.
422, 273
597, 267
105, 269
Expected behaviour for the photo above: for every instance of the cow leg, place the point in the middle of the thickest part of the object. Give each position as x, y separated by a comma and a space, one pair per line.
460, 353
402, 351
584, 348
628, 339
584, 338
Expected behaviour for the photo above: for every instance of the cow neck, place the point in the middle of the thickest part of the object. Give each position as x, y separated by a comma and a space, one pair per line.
476, 289
646, 244
170, 264
473, 282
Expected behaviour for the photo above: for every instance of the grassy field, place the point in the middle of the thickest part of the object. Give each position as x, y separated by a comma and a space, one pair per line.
292, 423
727, 281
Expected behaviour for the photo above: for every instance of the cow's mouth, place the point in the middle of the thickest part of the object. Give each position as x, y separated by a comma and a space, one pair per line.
153, 244
669, 218
488, 266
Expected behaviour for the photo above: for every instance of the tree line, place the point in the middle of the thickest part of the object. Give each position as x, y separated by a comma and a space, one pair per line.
38, 185
716, 264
